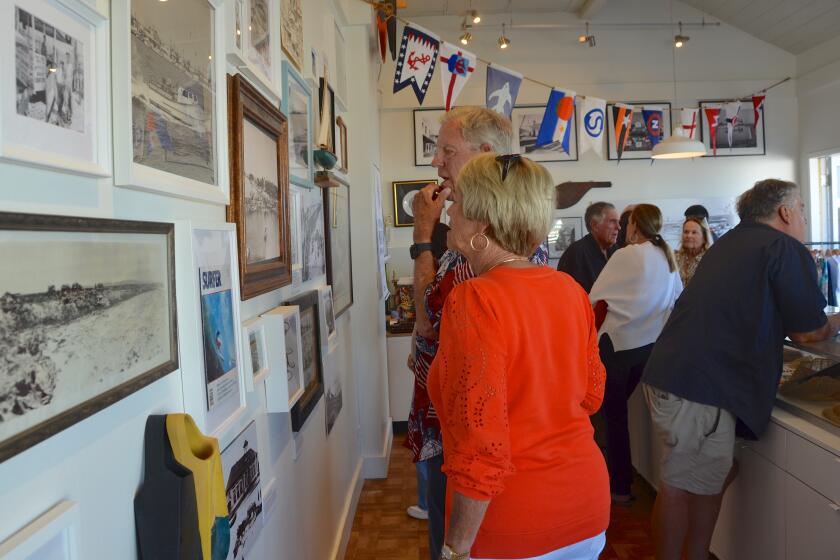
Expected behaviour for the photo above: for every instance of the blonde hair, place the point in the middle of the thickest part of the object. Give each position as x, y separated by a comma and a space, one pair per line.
480, 125
704, 228
648, 220
518, 209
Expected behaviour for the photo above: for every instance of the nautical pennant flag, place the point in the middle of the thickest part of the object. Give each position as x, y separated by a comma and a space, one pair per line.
416, 63
689, 122
653, 124
502, 89
730, 113
592, 125
623, 118
386, 27
713, 118
557, 121
758, 104
392, 29
458, 67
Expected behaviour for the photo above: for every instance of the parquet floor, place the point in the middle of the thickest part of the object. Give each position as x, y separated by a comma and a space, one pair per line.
383, 531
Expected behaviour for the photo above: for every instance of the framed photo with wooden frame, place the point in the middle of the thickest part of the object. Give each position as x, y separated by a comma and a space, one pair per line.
338, 246
745, 138
341, 146
404, 193
311, 357
94, 306
259, 178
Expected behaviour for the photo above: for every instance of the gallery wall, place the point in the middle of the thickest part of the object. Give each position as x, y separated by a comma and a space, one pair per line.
310, 480
628, 65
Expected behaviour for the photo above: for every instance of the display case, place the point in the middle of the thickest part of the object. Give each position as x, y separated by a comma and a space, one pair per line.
810, 383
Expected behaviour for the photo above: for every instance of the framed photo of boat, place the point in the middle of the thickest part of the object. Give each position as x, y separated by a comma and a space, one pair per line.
169, 98
54, 111
259, 180
526, 125
297, 106
253, 45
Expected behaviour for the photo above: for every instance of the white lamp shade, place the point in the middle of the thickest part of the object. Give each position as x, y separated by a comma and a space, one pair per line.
678, 146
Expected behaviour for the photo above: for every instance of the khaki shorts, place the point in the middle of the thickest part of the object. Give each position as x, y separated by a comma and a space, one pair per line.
699, 441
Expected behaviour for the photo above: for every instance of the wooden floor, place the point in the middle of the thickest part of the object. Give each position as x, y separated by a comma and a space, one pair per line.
383, 531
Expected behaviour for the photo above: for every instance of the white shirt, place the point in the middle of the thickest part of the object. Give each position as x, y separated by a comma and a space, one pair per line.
640, 293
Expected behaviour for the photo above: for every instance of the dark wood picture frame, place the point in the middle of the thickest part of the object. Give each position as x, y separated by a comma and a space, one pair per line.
312, 393
331, 116
338, 245
245, 102
402, 189
342, 136
94, 302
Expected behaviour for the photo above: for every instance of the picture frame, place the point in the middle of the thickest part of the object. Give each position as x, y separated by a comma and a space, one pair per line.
240, 463
404, 193
69, 67
748, 139
564, 231
52, 536
212, 371
291, 30
311, 357
297, 106
170, 134
338, 245
296, 234
106, 285
341, 145
426, 130
254, 352
330, 107
329, 332
284, 386
638, 144
526, 121
252, 45
259, 180
313, 251
382, 255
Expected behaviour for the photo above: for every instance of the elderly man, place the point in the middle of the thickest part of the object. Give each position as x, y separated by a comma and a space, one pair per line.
585, 259
719, 359
464, 133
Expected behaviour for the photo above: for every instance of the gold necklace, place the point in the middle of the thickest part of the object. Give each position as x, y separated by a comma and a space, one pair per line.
512, 259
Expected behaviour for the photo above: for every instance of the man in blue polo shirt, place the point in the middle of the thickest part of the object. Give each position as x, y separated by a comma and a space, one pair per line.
719, 359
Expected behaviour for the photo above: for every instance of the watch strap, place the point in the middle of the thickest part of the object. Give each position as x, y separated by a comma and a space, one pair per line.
418, 248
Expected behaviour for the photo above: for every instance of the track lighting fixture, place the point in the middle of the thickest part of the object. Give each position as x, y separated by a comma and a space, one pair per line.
504, 42
587, 38
475, 17
679, 38
466, 36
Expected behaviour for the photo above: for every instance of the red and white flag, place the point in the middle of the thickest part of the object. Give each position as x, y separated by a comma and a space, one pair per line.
758, 107
689, 123
730, 114
457, 65
712, 118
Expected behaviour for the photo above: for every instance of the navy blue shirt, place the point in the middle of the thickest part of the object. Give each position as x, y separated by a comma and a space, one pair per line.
583, 260
722, 344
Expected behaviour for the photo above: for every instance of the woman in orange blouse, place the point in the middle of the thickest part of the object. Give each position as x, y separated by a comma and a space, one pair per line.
516, 377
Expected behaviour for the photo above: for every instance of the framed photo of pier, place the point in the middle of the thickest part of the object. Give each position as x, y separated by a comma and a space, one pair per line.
737, 133
54, 112
95, 309
259, 180
426, 130
650, 123
297, 106
526, 125
169, 98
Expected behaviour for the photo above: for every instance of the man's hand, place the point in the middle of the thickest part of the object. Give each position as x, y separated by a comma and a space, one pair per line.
427, 212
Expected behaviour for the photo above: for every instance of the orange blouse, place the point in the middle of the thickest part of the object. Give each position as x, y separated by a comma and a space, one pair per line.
514, 381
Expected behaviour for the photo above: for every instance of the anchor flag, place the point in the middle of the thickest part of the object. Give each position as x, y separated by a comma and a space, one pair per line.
557, 121
458, 66
713, 118
758, 105
416, 62
653, 124
593, 119
730, 112
623, 118
689, 122
502, 89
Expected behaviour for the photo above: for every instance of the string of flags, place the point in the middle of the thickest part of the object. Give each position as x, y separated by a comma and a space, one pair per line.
421, 52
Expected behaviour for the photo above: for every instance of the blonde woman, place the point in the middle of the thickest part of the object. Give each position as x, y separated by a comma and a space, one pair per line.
696, 240
639, 286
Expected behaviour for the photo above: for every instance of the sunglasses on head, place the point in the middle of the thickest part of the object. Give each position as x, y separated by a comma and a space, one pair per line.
507, 160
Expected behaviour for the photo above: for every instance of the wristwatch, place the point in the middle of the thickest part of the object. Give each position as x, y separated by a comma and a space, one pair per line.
448, 554
418, 248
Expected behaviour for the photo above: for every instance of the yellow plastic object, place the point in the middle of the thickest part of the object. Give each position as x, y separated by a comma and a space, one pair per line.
200, 454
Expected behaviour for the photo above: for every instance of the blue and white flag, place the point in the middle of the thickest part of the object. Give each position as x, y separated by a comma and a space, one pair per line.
557, 120
502, 89
416, 62
593, 119
653, 125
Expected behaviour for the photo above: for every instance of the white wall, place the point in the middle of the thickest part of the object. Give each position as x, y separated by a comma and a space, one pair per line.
626, 64
308, 499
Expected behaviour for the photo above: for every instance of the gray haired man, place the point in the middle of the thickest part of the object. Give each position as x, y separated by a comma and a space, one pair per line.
585, 258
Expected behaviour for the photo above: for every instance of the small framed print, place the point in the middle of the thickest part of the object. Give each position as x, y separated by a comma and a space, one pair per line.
52, 536
254, 353
328, 330
404, 193
564, 231
284, 386
426, 131
650, 123
297, 105
311, 357
526, 126
253, 44
736, 132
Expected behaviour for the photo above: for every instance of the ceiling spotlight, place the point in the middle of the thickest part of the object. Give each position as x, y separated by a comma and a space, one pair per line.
466, 38
475, 17
680, 39
504, 42
587, 38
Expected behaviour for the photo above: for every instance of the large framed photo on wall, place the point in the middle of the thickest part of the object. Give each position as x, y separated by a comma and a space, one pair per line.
650, 123
311, 358
169, 98
54, 112
337, 234
735, 131
426, 131
526, 125
259, 180
94, 307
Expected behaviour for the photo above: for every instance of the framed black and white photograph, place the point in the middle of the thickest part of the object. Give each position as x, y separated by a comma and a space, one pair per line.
291, 31
404, 193
284, 384
329, 335
243, 490
252, 44
337, 241
426, 130
297, 105
169, 98
311, 357
650, 123
333, 396
55, 115
295, 219
564, 231
93, 303
736, 133
313, 246
254, 353
526, 121
51, 536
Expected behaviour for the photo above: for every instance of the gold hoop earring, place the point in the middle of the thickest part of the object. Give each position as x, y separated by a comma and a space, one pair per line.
472, 242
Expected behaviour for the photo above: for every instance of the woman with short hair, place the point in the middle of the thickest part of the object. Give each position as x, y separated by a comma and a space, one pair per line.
515, 380
696, 240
